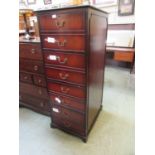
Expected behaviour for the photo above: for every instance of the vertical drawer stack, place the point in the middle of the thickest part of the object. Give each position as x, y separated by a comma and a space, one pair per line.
63, 43
33, 91
73, 43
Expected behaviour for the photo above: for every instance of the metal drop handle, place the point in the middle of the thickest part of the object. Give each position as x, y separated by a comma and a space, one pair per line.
62, 61
63, 76
61, 44
35, 67
60, 24
33, 51
64, 90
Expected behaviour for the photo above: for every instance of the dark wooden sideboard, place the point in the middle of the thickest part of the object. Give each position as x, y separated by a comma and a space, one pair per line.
32, 86
73, 44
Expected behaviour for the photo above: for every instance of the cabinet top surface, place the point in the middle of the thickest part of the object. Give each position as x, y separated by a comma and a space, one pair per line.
72, 7
35, 40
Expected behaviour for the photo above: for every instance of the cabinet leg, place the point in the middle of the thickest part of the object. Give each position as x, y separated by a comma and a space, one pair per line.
84, 139
52, 125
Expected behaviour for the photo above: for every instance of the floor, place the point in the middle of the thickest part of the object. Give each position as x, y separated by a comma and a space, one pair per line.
113, 133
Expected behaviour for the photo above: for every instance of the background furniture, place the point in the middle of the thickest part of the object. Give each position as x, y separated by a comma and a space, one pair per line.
32, 87
73, 42
28, 23
120, 56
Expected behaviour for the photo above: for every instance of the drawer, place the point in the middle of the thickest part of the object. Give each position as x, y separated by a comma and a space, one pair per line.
69, 42
68, 126
60, 21
25, 77
73, 91
124, 56
67, 101
65, 75
39, 80
36, 102
65, 60
63, 113
33, 90
30, 51
31, 66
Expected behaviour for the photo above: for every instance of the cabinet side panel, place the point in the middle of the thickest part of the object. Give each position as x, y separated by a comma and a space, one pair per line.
98, 35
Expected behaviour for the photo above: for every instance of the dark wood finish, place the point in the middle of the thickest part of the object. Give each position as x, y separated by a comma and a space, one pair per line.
96, 64
63, 113
31, 66
39, 80
32, 86
68, 126
68, 102
69, 42
67, 60
77, 50
62, 21
42, 104
65, 75
33, 90
30, 51
67, 90
25, 77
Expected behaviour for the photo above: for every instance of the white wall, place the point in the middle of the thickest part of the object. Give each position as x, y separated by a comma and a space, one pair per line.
113, 11
114, 18
40, 4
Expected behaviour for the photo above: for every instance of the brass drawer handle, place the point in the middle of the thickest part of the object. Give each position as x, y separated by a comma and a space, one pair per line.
62, 62
39, 81
57, 58
67, 124
61, 44
35, 67
33, 51
60, 24
64, 90
63, 76
39, 92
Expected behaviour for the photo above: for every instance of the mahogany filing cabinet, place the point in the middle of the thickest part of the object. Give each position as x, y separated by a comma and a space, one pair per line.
73, 43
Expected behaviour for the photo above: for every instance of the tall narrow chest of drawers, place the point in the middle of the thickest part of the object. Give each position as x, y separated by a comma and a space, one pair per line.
32, 87
73, 43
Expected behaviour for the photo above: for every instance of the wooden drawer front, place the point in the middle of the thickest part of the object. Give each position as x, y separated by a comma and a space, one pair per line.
67, 101
65, 60
65, 75
30, 51
124, 56
64, 113
24, 77
40, 103
68, 125
70, 42
68, 90
39, 80
31, 66
59, 21
33, 90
